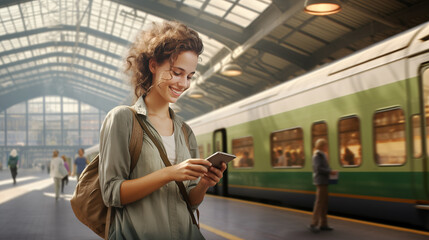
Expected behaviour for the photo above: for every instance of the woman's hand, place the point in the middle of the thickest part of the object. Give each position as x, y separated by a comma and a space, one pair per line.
190, 169
209, 179
213, 176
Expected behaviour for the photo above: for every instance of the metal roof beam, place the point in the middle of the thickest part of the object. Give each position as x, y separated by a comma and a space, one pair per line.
273, 16
227, 83
284, 53
60, 44
224, 35
393, 23
38, 90
60, 54
259, 30
7, 3
49, 76
70, 28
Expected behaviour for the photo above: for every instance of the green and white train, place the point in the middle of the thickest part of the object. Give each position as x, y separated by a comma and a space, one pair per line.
373, 109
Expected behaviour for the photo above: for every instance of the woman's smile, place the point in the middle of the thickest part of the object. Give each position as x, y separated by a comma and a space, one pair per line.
176, 92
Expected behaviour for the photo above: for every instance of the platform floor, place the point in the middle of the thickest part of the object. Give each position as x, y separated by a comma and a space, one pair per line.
28, 210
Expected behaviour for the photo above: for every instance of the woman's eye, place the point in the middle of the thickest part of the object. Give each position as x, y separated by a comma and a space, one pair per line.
176, 74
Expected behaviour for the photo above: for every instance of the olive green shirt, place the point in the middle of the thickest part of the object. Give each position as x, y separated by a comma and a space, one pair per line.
162, 214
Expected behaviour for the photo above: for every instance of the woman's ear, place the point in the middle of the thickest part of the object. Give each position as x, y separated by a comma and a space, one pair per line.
152, 65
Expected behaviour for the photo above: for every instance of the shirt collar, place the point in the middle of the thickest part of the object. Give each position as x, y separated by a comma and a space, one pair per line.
140, 107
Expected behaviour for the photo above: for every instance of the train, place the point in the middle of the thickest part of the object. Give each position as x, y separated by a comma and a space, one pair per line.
372, 107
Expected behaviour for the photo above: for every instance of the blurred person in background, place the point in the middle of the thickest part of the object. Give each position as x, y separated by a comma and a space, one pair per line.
321, 172
58, 171
13, 164
80, 163
65, 179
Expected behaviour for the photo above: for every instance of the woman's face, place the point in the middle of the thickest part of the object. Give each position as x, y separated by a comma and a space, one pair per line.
169, 82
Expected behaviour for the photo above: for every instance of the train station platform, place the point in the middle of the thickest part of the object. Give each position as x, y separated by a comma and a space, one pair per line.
28, 210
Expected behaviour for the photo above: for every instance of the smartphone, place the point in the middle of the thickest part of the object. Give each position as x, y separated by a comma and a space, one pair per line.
218, 157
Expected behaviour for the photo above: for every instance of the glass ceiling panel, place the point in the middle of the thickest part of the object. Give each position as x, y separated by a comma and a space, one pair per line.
194, 3
241, 12
215, 10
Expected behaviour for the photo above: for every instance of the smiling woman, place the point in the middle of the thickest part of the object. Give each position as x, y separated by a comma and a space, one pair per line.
160, 64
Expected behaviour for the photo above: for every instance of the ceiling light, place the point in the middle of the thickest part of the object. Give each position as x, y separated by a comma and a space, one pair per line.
231, 70
196, 93
322, 7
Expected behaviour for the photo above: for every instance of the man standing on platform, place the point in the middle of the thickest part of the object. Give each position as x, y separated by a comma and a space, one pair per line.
321, 172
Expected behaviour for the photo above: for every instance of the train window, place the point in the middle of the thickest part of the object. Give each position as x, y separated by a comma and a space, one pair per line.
350, 144
287, 148
389, 131
416, 136
243, 149
201, 150
319, 130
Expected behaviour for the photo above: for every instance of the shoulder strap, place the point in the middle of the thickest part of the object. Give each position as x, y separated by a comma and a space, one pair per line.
135, 147
136, 141
167, 163
185, 132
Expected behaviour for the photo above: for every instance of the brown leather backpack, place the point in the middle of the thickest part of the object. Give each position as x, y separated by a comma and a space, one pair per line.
87, 202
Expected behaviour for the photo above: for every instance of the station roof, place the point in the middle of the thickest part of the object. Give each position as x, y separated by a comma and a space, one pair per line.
76, 48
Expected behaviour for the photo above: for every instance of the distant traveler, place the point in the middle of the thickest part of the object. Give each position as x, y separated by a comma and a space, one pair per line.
245, 161
281, 159
321, 172
80, 163
65, 179
58, 171
13, 164
146, 202
349, 156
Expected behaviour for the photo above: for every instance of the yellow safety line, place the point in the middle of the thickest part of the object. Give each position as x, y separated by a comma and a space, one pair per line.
220, 233
335, 217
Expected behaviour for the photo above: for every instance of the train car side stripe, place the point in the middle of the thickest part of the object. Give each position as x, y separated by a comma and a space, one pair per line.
384, 199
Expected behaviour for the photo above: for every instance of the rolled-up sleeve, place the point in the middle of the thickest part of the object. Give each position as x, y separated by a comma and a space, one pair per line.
115, 160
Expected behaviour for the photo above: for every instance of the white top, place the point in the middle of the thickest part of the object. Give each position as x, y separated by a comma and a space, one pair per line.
170, 148
56, 165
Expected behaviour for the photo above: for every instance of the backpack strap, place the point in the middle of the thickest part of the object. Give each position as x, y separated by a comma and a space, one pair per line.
167, 164
136, 141
135, 147
185, 132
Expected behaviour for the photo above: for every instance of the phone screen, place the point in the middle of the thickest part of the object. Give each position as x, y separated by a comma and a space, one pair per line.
218, 157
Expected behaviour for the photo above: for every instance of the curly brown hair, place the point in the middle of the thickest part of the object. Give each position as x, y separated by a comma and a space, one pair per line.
163, 41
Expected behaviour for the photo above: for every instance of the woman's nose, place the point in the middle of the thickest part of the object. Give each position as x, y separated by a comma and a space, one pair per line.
183, 81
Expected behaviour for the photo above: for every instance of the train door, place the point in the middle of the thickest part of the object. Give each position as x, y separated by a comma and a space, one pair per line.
423, 167
220, 144
419, 58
